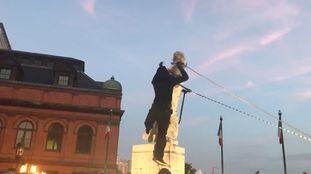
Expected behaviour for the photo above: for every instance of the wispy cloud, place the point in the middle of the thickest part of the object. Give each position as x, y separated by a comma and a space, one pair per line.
305, 95
282, 10
224, 55
249, 84
272, 13
241, 48
277, 10
295, 71
188, 8
277, 19
222, 35
89, 6
274, 36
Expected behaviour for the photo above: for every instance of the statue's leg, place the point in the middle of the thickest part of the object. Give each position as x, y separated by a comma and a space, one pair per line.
172, 132
163, 122
150, 119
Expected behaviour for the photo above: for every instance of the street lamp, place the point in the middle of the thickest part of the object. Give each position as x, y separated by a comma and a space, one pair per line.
30, 169
19, 151
19, 154
25, 168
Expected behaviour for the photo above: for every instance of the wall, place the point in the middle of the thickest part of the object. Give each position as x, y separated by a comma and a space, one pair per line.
70, 107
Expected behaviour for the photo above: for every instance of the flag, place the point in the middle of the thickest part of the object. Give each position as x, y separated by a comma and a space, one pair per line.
220, 134
280, 132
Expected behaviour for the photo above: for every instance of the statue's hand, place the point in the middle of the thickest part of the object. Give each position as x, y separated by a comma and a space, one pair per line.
180, 64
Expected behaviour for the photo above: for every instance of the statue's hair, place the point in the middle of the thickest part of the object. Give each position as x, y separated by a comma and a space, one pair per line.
178, 56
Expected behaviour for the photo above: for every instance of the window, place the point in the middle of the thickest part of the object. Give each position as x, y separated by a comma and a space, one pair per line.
50, 64
63, 80
5, 73
77, 67
24, 133
54, 137
84, 140
38, 62
25, 61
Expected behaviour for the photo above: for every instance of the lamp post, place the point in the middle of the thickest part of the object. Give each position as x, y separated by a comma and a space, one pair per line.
30, 169
19, 155
25, 168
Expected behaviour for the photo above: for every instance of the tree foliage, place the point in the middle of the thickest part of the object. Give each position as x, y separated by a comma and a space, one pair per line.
189, 169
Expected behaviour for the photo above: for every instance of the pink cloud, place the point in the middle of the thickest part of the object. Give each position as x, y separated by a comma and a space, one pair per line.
293, 72
249, 46
89, 6
274, 36
272, 14
222, 35
306, 95
253, 13
224, 55
283, 10
270, 10
188, 8
249, 84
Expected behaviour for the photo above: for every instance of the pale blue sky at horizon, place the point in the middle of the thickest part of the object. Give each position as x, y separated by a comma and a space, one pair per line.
258, 48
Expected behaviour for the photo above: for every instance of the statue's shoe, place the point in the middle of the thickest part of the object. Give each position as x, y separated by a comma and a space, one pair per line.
160, 162
151, 136
144, 136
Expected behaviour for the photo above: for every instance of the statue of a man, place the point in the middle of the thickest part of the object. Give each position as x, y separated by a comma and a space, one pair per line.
172, 132
163, 112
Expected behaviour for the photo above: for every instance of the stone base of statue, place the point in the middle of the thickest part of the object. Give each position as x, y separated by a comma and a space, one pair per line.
142, 162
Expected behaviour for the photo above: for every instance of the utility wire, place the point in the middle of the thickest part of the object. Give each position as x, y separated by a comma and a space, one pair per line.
231, 93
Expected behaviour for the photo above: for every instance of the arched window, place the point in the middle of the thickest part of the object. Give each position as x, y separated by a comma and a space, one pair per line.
84, 140
55, 137
24, 133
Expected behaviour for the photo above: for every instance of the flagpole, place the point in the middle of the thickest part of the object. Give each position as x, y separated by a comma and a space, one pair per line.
282, 142
222, 149
107, 144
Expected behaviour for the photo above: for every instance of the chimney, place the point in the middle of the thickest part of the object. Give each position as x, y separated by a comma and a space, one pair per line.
4, 41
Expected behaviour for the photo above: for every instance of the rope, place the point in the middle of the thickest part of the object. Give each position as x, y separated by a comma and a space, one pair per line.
231, 93
298, 134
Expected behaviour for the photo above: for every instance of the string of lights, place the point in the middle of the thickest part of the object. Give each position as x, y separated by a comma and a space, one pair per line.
295, 131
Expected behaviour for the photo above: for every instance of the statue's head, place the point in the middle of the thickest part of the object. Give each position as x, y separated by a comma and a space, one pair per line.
178, 56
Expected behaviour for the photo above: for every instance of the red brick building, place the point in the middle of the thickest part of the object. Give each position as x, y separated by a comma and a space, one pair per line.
60, 114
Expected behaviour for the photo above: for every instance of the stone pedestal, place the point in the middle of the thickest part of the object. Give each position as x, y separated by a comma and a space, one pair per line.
142, 162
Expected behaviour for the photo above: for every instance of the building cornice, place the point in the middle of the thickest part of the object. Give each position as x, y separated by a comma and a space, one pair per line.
63, 107
63, 88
